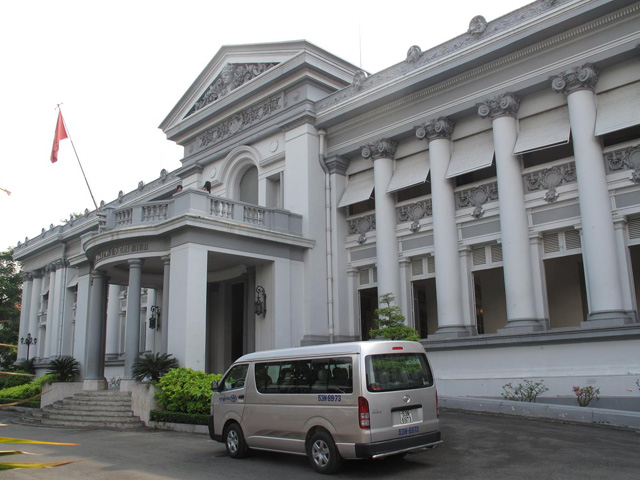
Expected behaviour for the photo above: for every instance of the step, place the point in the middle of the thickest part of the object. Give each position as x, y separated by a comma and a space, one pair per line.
87, 408
94, 424
91, 418
102, 403
88, 415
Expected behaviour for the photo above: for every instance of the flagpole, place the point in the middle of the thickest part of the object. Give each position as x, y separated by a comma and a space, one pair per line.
78, 158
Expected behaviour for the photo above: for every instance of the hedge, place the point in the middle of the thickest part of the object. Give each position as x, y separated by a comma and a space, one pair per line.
179, 417
186, 391
27, 390
35, 403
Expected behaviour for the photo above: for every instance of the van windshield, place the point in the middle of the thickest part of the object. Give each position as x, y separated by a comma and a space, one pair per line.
403, 371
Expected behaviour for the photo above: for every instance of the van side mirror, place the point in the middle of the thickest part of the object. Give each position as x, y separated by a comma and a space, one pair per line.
214, 385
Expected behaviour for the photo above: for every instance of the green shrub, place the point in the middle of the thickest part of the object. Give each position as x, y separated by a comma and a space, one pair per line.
389, 322
27, 390
186, 390
153, 366
8, 381
178, 417
35, 403
66, 369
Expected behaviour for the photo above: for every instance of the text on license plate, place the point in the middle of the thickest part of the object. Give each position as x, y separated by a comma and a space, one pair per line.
405, 416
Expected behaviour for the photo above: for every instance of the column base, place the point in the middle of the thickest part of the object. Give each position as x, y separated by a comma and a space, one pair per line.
95, 384
609, 318
453, 331
524, 325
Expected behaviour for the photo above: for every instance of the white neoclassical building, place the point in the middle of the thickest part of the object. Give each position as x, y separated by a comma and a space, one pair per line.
491, 184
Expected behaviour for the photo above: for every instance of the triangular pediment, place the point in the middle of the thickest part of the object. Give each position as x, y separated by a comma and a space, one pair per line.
232, 76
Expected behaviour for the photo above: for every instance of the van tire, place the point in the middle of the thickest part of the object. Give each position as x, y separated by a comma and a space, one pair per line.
234, 441
323, 453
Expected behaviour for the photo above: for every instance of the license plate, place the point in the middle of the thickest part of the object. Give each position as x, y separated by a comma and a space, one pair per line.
405, 416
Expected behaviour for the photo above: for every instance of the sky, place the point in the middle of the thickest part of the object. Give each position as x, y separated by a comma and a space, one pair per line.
117, 68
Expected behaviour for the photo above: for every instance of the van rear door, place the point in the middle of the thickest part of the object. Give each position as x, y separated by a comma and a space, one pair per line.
401, 395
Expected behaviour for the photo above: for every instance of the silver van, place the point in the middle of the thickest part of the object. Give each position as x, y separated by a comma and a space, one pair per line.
330, 402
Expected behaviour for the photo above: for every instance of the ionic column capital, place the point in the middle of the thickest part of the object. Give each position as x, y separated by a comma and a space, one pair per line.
166, 259
505, 105
136, 262
576, 78
435, 129
383, 148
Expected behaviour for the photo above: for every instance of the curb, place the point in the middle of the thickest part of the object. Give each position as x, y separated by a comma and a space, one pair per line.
600, 416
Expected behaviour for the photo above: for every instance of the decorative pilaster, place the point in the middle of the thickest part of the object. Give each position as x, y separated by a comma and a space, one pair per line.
522, 316
445, 233
113, 322
382, 153
600, 256
132, 342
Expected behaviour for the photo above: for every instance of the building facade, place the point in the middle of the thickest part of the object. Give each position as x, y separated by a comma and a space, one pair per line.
489, 183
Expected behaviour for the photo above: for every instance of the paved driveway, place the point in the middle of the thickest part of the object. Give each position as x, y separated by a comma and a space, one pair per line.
475, 447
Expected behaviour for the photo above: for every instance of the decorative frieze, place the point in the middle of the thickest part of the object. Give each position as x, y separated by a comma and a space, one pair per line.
240, 121
624, 159
361, 226
549, 179
384, 148
440, 128
413, 213
476, 197
500, 106
576, 78
230, 78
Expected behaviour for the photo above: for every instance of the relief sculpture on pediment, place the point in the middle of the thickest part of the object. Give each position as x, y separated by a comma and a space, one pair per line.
231, 77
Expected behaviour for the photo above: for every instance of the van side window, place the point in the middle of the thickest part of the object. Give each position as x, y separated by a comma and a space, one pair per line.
305, 376
234, 378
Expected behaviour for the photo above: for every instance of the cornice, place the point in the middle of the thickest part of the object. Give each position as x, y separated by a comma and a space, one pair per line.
472, 74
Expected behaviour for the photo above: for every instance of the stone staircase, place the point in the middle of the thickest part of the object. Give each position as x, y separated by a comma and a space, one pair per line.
100, 409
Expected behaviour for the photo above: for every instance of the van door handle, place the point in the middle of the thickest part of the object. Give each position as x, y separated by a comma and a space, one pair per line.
240, 397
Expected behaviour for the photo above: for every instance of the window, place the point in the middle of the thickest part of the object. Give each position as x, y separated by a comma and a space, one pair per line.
234, 378
387, 373
327, 375
249, 186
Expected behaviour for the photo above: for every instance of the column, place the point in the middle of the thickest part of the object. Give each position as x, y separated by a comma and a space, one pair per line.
50, 328
164, 314
34, 309
113, 321
27, 283
602, 268
382, 153
514, 225
96, 330
132, 340
55, 318
445, 232
150, 335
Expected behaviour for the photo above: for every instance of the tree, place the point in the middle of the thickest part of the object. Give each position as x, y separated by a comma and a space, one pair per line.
390, 322
10, 295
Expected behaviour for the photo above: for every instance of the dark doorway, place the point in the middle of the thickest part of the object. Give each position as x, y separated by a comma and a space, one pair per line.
368, 305
237, 320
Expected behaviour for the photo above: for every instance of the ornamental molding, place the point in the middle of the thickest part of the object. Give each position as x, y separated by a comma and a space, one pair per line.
413, 213
231, 77
383, 148
361, 226
549, 179
476, 197
337, 164
241, 121
576, 78
435, 129
505, 105
473, 36
624, 159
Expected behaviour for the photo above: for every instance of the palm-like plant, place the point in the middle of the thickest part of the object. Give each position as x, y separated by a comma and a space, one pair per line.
65, 368
153, 366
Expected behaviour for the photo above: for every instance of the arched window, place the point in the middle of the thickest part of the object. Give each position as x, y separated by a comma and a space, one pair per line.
249, 186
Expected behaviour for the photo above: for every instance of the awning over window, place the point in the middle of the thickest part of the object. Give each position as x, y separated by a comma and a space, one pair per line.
618, 109
544, 130
410, 171
471, 153
358, 189
73, 281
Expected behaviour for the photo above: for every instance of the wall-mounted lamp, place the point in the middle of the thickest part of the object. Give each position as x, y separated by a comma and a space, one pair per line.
154, 319
261, 301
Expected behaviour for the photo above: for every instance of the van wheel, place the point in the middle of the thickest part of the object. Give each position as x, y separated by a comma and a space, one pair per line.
323, 453
234, 441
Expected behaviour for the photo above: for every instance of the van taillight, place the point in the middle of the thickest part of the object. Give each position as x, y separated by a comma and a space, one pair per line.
397, 348
437, 409
364, 417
